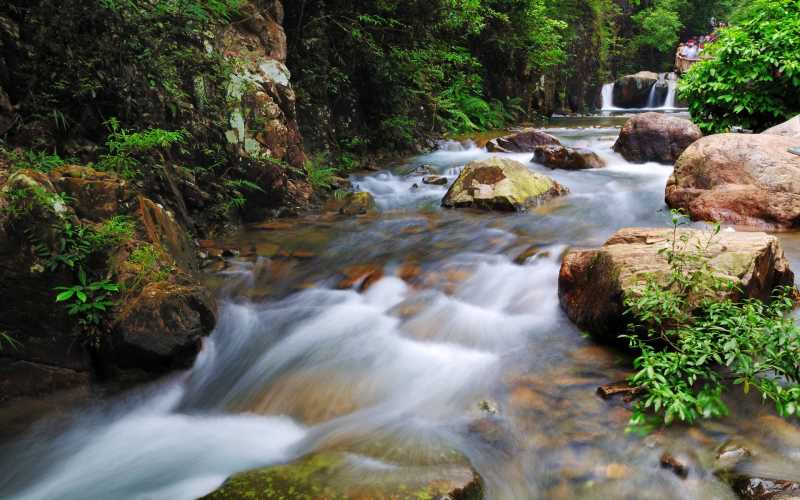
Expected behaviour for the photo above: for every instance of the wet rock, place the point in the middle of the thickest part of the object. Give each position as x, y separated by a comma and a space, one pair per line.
557, 156
160, 328
677, 466
790, 128
500, 184
436, 180
633, 91
618, 389
360, 203
656, 137
24, 378
750, 180
731, 454
521, 142
344, 476
593, 284
422, 170
364, 276
750, 488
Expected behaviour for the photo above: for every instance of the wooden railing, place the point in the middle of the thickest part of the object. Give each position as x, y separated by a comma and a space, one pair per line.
682, 64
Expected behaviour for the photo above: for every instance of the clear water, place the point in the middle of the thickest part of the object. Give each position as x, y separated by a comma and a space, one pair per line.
298, 365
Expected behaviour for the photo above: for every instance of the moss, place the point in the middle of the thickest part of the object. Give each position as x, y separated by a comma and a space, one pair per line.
334, 476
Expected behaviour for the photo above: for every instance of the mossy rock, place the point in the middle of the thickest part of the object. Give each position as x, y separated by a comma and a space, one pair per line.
346, 476
500, 184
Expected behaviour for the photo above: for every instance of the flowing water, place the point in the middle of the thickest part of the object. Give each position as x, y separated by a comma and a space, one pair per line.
669, 104
461, 316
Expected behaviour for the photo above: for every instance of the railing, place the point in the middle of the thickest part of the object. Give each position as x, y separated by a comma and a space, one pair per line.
682, 64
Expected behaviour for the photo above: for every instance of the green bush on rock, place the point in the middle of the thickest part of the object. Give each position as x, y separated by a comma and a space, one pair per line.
692, 345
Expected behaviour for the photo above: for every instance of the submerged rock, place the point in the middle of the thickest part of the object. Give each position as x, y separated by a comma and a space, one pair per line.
753, 488
557, 156
522, 142
751, 180
656, 137
345, 476
500, 184
593, 284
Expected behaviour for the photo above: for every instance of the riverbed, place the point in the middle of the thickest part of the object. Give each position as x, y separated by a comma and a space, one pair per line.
457, 344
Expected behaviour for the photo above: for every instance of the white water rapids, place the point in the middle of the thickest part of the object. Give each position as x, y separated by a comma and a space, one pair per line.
303, 366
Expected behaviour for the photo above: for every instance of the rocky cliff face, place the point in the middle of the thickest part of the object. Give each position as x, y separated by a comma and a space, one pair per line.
237, 108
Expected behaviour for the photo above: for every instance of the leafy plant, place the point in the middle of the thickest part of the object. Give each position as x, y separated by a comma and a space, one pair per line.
88, 301
693, 344
8, 340
150, 261
40, 161
114, 232
318, 173
126, 147
751, 78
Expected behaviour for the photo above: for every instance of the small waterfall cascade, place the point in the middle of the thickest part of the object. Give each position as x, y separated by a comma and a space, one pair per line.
608, 97
672, 82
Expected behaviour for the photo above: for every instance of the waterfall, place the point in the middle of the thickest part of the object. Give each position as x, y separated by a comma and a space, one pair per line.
651, 99
672, 82
608, 97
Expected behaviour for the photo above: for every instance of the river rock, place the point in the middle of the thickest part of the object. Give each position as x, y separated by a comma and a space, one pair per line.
656, 137
556, 156
435, 180
524, 141
633, 91
334, 475
750, 180
500, 184
359, 203
160, 328
593, 284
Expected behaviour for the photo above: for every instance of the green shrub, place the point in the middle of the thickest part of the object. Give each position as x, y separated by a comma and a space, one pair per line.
150, 259
752, 76
40, 161
693, 347
318, 172
126, 148
88, 302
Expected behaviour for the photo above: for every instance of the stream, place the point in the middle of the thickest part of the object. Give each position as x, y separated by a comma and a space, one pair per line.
457, 344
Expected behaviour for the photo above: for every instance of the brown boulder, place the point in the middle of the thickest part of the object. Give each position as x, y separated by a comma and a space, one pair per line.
593, 284
656, 137
557, 156
521, 142
95, 195
161, 327
750, 180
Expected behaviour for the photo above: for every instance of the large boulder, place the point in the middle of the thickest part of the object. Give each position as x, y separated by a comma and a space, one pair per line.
593, 284
524, 141
336, 475
633, 91
157, 320
656, 137
789, 128
556, 156
160, 328
750, 180
500, 184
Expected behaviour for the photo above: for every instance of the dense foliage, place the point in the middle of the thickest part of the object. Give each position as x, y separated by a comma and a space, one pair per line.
752, 76
694, 347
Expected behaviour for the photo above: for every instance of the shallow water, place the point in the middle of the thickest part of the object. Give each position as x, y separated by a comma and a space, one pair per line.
462, 311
